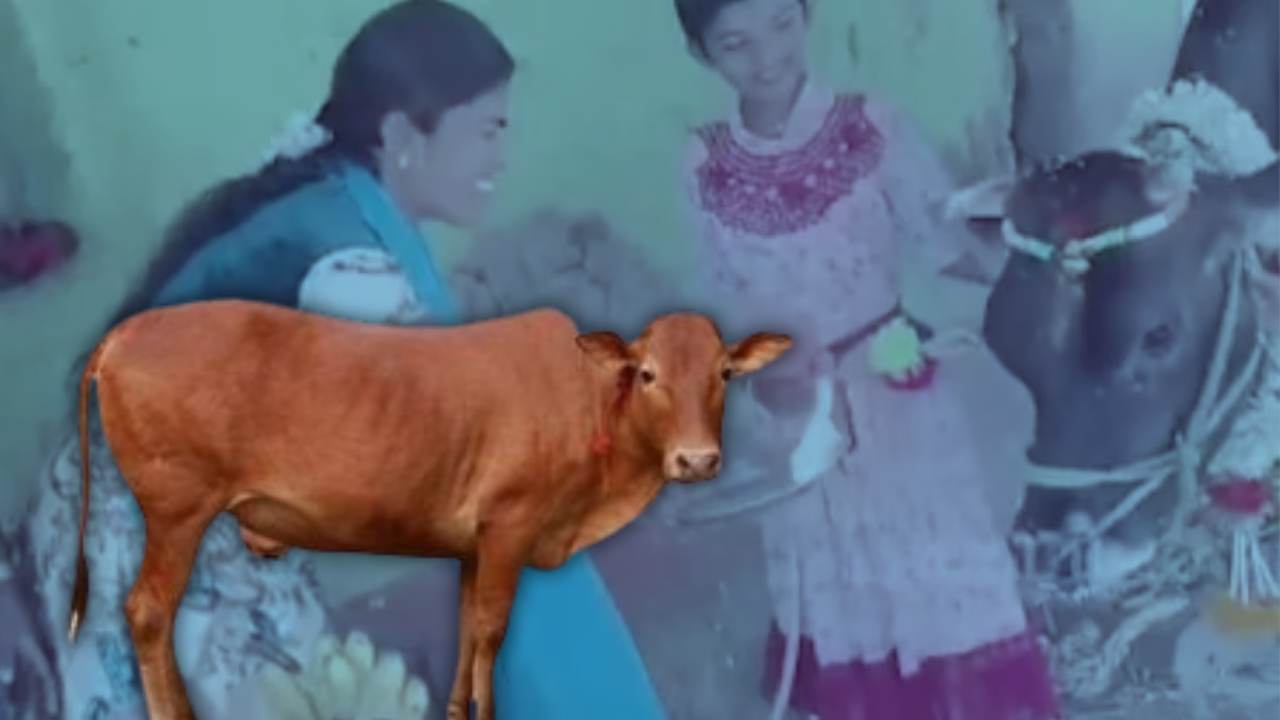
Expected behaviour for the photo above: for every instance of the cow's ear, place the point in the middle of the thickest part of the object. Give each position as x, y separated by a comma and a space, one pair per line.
983, 200
757, 351
606, 349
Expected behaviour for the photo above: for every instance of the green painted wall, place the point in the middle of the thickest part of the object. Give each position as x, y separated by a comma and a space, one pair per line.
151, 101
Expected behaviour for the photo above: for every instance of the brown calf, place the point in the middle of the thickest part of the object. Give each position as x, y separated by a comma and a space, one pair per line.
504, 443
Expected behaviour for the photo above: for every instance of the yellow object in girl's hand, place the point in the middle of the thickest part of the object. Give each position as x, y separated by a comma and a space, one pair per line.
896, 351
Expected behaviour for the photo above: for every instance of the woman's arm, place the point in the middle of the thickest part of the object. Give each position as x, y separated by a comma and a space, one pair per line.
361, 283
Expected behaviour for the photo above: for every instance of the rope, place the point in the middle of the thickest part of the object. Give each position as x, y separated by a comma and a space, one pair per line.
1186, 458
1075, 256
1207, 414
791, 653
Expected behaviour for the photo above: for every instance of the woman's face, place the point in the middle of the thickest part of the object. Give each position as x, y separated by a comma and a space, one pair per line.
758, 46
450, 174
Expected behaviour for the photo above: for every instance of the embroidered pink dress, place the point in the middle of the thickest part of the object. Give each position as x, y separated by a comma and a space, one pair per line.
906, 594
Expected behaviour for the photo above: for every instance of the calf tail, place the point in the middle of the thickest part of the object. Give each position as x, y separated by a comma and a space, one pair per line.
80, 591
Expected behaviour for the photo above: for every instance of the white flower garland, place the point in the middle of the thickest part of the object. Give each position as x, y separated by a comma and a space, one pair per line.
300, 136
1193, 126
1253, 447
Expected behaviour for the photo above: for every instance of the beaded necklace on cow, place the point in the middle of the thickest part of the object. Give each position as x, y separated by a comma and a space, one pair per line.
1073, 257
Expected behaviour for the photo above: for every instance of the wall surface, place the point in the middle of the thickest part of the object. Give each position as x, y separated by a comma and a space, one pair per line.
128, 108
116, 113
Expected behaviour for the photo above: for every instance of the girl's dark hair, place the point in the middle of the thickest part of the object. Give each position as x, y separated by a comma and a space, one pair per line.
697, 15
421, 57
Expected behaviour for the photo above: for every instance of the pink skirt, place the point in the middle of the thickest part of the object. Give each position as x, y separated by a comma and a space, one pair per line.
1005, 680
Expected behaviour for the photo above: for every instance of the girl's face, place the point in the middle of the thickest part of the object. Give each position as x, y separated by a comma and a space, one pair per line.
449, 174
758, 46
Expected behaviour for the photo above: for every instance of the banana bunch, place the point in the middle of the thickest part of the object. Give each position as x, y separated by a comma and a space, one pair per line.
346, 681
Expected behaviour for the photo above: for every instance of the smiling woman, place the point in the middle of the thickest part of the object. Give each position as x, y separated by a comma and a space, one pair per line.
412, 130
415, 115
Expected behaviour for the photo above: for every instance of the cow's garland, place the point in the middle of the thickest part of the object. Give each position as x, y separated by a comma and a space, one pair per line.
1194, 127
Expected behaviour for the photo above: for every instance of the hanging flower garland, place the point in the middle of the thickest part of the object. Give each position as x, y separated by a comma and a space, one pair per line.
897, 354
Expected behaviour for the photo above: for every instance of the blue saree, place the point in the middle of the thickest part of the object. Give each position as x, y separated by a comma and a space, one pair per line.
568, 654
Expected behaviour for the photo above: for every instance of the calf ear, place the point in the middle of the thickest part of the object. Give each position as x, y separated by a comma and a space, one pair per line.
605, 348
757, 351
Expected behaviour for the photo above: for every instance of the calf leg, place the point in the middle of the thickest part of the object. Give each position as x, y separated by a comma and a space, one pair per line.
460, 696
497, 575
152, 607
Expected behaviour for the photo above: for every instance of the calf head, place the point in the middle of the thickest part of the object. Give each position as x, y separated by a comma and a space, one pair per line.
671, 385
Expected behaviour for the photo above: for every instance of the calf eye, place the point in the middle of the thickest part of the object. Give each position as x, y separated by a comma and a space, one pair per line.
1158, 340
646, 376
726, 374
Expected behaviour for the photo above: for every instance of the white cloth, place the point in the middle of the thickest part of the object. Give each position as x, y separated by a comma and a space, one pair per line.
360, 283
822, 444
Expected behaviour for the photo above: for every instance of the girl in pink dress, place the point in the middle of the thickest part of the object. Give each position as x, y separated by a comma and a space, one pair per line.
808, 201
